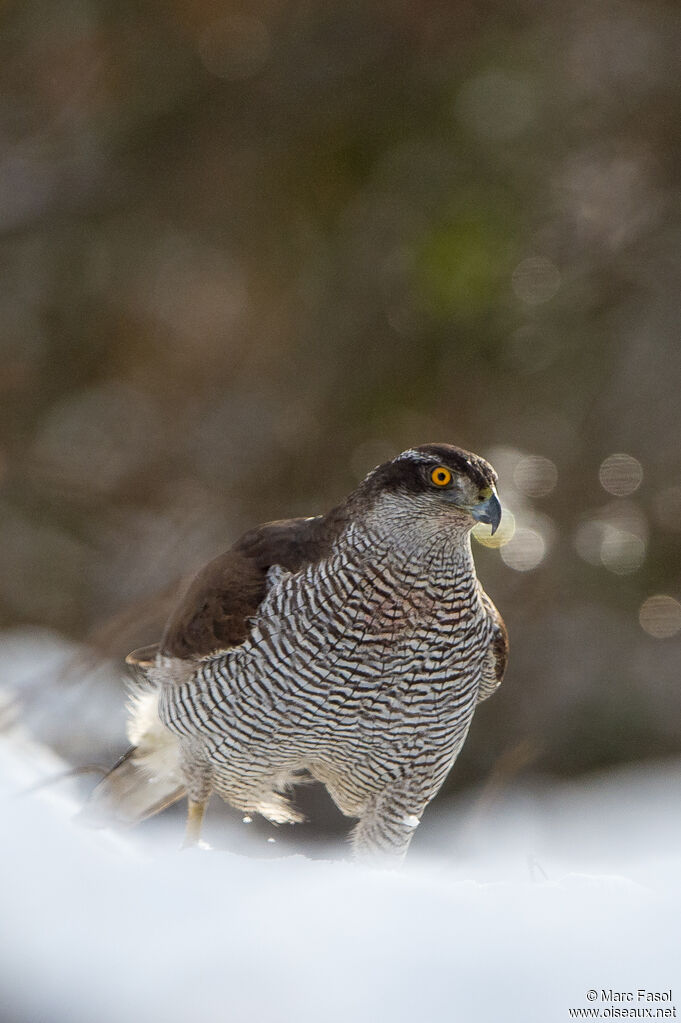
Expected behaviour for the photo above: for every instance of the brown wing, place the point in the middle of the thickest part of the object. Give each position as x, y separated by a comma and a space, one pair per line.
497, 654
214, 612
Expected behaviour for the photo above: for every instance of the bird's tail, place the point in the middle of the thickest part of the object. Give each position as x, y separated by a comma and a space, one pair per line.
147, 778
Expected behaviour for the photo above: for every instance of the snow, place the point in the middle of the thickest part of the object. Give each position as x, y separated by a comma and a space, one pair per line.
554, 891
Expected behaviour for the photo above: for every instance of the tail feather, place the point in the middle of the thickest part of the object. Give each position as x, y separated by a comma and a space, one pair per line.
147, 778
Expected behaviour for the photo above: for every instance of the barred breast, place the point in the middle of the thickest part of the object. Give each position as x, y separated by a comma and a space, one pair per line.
361, 670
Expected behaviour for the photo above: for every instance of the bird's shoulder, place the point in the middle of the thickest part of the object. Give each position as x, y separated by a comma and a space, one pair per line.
214, 612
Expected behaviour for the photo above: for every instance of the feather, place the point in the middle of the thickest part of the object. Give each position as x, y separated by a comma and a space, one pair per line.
147, 778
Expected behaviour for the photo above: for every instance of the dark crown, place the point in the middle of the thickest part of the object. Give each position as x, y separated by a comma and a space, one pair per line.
406, 472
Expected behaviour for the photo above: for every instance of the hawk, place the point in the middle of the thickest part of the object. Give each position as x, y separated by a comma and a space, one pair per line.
350, 648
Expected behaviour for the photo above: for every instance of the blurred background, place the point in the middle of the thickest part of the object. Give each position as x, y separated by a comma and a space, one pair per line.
249, 250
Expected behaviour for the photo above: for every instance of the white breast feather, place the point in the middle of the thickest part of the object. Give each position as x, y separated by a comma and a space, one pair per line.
158, 750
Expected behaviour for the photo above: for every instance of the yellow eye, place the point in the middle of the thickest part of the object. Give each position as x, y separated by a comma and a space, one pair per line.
441, 476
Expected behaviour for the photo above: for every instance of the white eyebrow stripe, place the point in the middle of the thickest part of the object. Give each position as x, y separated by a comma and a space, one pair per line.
412, 455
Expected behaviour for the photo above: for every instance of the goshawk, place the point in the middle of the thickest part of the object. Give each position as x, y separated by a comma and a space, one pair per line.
350, 648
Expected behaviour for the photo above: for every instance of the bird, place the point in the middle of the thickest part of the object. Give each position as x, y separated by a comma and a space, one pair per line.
349, 648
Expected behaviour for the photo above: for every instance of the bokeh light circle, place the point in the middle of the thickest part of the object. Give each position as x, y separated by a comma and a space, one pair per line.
589, 540
621, 551
535, 280
525, 551
535, 476
660, 616
620, 474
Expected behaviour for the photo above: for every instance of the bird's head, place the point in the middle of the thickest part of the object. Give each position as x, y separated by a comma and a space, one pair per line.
437, 482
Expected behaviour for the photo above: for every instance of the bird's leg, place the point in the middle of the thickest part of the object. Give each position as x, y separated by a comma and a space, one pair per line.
383, 834
199, 787
195, 811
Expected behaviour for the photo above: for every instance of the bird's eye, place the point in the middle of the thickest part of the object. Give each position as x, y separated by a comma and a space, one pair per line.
441, 477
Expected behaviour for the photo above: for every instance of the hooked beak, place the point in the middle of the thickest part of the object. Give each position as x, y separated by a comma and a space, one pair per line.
488, 511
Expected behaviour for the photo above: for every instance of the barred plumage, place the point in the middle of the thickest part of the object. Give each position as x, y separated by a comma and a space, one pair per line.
358, 661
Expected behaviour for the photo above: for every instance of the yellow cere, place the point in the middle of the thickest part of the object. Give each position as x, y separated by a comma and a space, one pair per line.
441, 476
485, 493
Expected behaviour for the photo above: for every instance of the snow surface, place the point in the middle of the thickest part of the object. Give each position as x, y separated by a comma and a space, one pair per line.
552, 892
